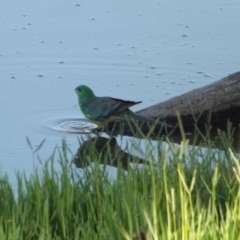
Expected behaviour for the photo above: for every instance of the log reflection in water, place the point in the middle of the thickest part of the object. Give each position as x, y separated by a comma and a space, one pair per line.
105, 151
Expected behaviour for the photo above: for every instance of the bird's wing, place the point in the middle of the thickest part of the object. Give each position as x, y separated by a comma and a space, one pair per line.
100, 108
118, 105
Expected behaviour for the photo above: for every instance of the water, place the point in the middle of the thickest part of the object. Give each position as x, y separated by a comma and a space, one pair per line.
132, 50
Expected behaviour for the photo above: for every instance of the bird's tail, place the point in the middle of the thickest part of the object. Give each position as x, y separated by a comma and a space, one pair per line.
128, 114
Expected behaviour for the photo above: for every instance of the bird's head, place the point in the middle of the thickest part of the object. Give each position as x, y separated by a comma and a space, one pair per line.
84, 93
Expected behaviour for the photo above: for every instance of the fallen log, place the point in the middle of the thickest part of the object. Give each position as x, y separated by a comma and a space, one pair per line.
212, 109
222, 98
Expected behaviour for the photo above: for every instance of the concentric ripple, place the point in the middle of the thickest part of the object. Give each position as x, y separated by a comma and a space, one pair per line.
53, 122
70, 125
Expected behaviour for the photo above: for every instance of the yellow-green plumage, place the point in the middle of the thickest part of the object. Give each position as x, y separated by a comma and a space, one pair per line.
102, 110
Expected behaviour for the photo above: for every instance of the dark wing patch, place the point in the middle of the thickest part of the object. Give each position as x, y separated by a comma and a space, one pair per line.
101, 108
121, 105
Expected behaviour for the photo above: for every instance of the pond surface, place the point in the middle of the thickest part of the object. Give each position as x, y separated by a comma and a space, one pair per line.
132, 50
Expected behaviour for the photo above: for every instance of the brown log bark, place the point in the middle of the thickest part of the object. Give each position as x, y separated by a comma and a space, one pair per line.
218, 97
211, 107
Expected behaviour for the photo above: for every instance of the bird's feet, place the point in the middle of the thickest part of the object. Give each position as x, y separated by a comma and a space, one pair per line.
98, 130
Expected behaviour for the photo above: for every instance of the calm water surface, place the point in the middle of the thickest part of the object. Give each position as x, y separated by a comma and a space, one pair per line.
126, 49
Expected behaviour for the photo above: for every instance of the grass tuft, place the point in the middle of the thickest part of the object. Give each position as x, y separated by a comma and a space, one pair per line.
176, 197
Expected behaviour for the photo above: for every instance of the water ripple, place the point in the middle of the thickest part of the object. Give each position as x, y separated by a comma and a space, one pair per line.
70, 125
51, 122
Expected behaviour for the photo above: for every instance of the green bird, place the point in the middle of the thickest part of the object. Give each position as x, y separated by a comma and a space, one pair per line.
102, 110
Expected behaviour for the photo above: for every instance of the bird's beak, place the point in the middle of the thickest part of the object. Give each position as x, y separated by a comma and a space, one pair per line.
76, 89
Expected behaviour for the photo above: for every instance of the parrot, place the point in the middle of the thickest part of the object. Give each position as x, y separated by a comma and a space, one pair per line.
102, 110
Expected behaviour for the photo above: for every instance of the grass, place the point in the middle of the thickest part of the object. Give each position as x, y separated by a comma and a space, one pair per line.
178, 197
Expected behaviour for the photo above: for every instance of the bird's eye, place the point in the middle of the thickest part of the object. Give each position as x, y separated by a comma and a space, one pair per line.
79, 89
